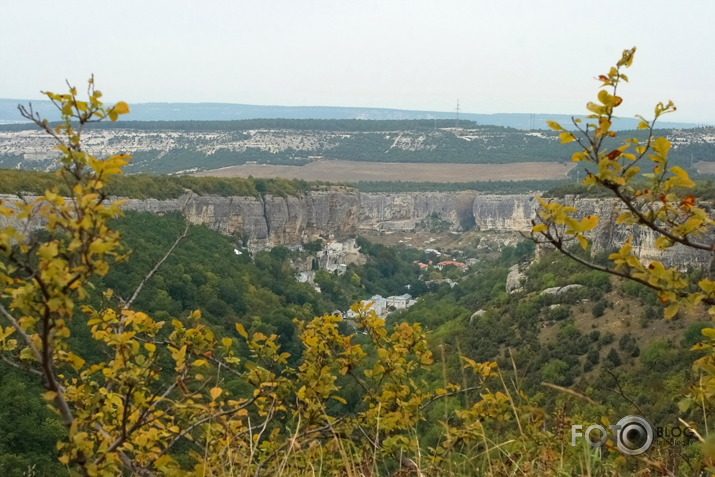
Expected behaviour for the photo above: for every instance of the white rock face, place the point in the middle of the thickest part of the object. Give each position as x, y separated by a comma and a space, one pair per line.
406, 210
514, 279
504, 212
342, 212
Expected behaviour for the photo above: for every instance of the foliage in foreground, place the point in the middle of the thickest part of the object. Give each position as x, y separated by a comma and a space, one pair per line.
172, 397
652, 196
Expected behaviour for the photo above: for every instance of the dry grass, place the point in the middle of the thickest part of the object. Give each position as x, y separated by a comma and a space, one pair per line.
353, 171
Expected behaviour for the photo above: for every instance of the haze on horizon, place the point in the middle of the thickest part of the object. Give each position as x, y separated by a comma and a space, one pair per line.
513, 56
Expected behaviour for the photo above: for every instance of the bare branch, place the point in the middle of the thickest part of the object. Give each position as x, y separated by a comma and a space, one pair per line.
446, 395
19, 366
151, 273
621, 392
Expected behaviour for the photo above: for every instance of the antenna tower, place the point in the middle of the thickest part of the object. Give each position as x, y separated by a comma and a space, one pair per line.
457, 109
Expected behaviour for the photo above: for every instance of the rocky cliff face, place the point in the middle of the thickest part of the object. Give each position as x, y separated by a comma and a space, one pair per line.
406, 211
268, 220
504, 212
341, 212
608, 236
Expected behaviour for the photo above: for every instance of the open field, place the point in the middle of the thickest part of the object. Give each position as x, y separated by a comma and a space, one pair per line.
705, 167
354, 171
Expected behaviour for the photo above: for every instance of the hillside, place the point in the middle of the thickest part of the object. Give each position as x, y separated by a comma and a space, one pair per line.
190, 146
572, 339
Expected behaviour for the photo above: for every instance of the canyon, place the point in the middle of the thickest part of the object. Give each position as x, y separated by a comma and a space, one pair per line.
342, 212
337, 212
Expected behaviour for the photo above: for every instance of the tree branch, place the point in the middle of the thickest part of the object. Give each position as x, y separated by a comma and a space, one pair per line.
151, 273
643, 220
19, 366
47, 371
559, 245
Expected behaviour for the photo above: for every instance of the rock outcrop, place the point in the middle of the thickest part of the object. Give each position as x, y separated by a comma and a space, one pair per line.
407, 210
342, 212
268, 220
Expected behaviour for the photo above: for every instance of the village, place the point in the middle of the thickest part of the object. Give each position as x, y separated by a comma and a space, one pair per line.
335, 256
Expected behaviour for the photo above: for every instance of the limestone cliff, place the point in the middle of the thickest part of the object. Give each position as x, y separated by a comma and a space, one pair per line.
343, 212
407, 210
268, 220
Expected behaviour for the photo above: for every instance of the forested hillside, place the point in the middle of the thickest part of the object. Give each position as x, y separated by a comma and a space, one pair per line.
589, 338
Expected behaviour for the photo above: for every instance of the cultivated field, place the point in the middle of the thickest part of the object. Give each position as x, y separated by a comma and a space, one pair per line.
353, 171
705, 167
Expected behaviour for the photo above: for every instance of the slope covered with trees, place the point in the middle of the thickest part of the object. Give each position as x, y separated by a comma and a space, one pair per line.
194, 360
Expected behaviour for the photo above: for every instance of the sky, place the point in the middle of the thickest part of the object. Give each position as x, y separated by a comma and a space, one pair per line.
498, 56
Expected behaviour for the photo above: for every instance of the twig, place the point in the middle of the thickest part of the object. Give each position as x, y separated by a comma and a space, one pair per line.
151, 273
446, 395
622, 393
569, 391
19, 366
21, 332
692, 429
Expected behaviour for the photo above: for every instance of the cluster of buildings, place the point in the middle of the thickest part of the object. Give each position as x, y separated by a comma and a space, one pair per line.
383, 306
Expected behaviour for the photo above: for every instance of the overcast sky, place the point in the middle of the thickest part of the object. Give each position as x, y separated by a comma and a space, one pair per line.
497, 56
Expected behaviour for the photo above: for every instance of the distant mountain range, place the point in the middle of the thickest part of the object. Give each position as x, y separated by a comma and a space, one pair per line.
228, 111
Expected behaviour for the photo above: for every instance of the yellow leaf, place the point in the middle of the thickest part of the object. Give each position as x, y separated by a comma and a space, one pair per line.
663, 242
27, 353
589, 223
566, 137
75, 361
539, 228
661, 146
596, 108
583, 241
672, 310
579, 156
554, 125
708, 286
685, 180
215, 393
121, 108
241, 330
49, 395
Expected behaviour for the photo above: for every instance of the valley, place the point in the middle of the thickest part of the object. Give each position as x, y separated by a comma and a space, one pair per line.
270, 260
